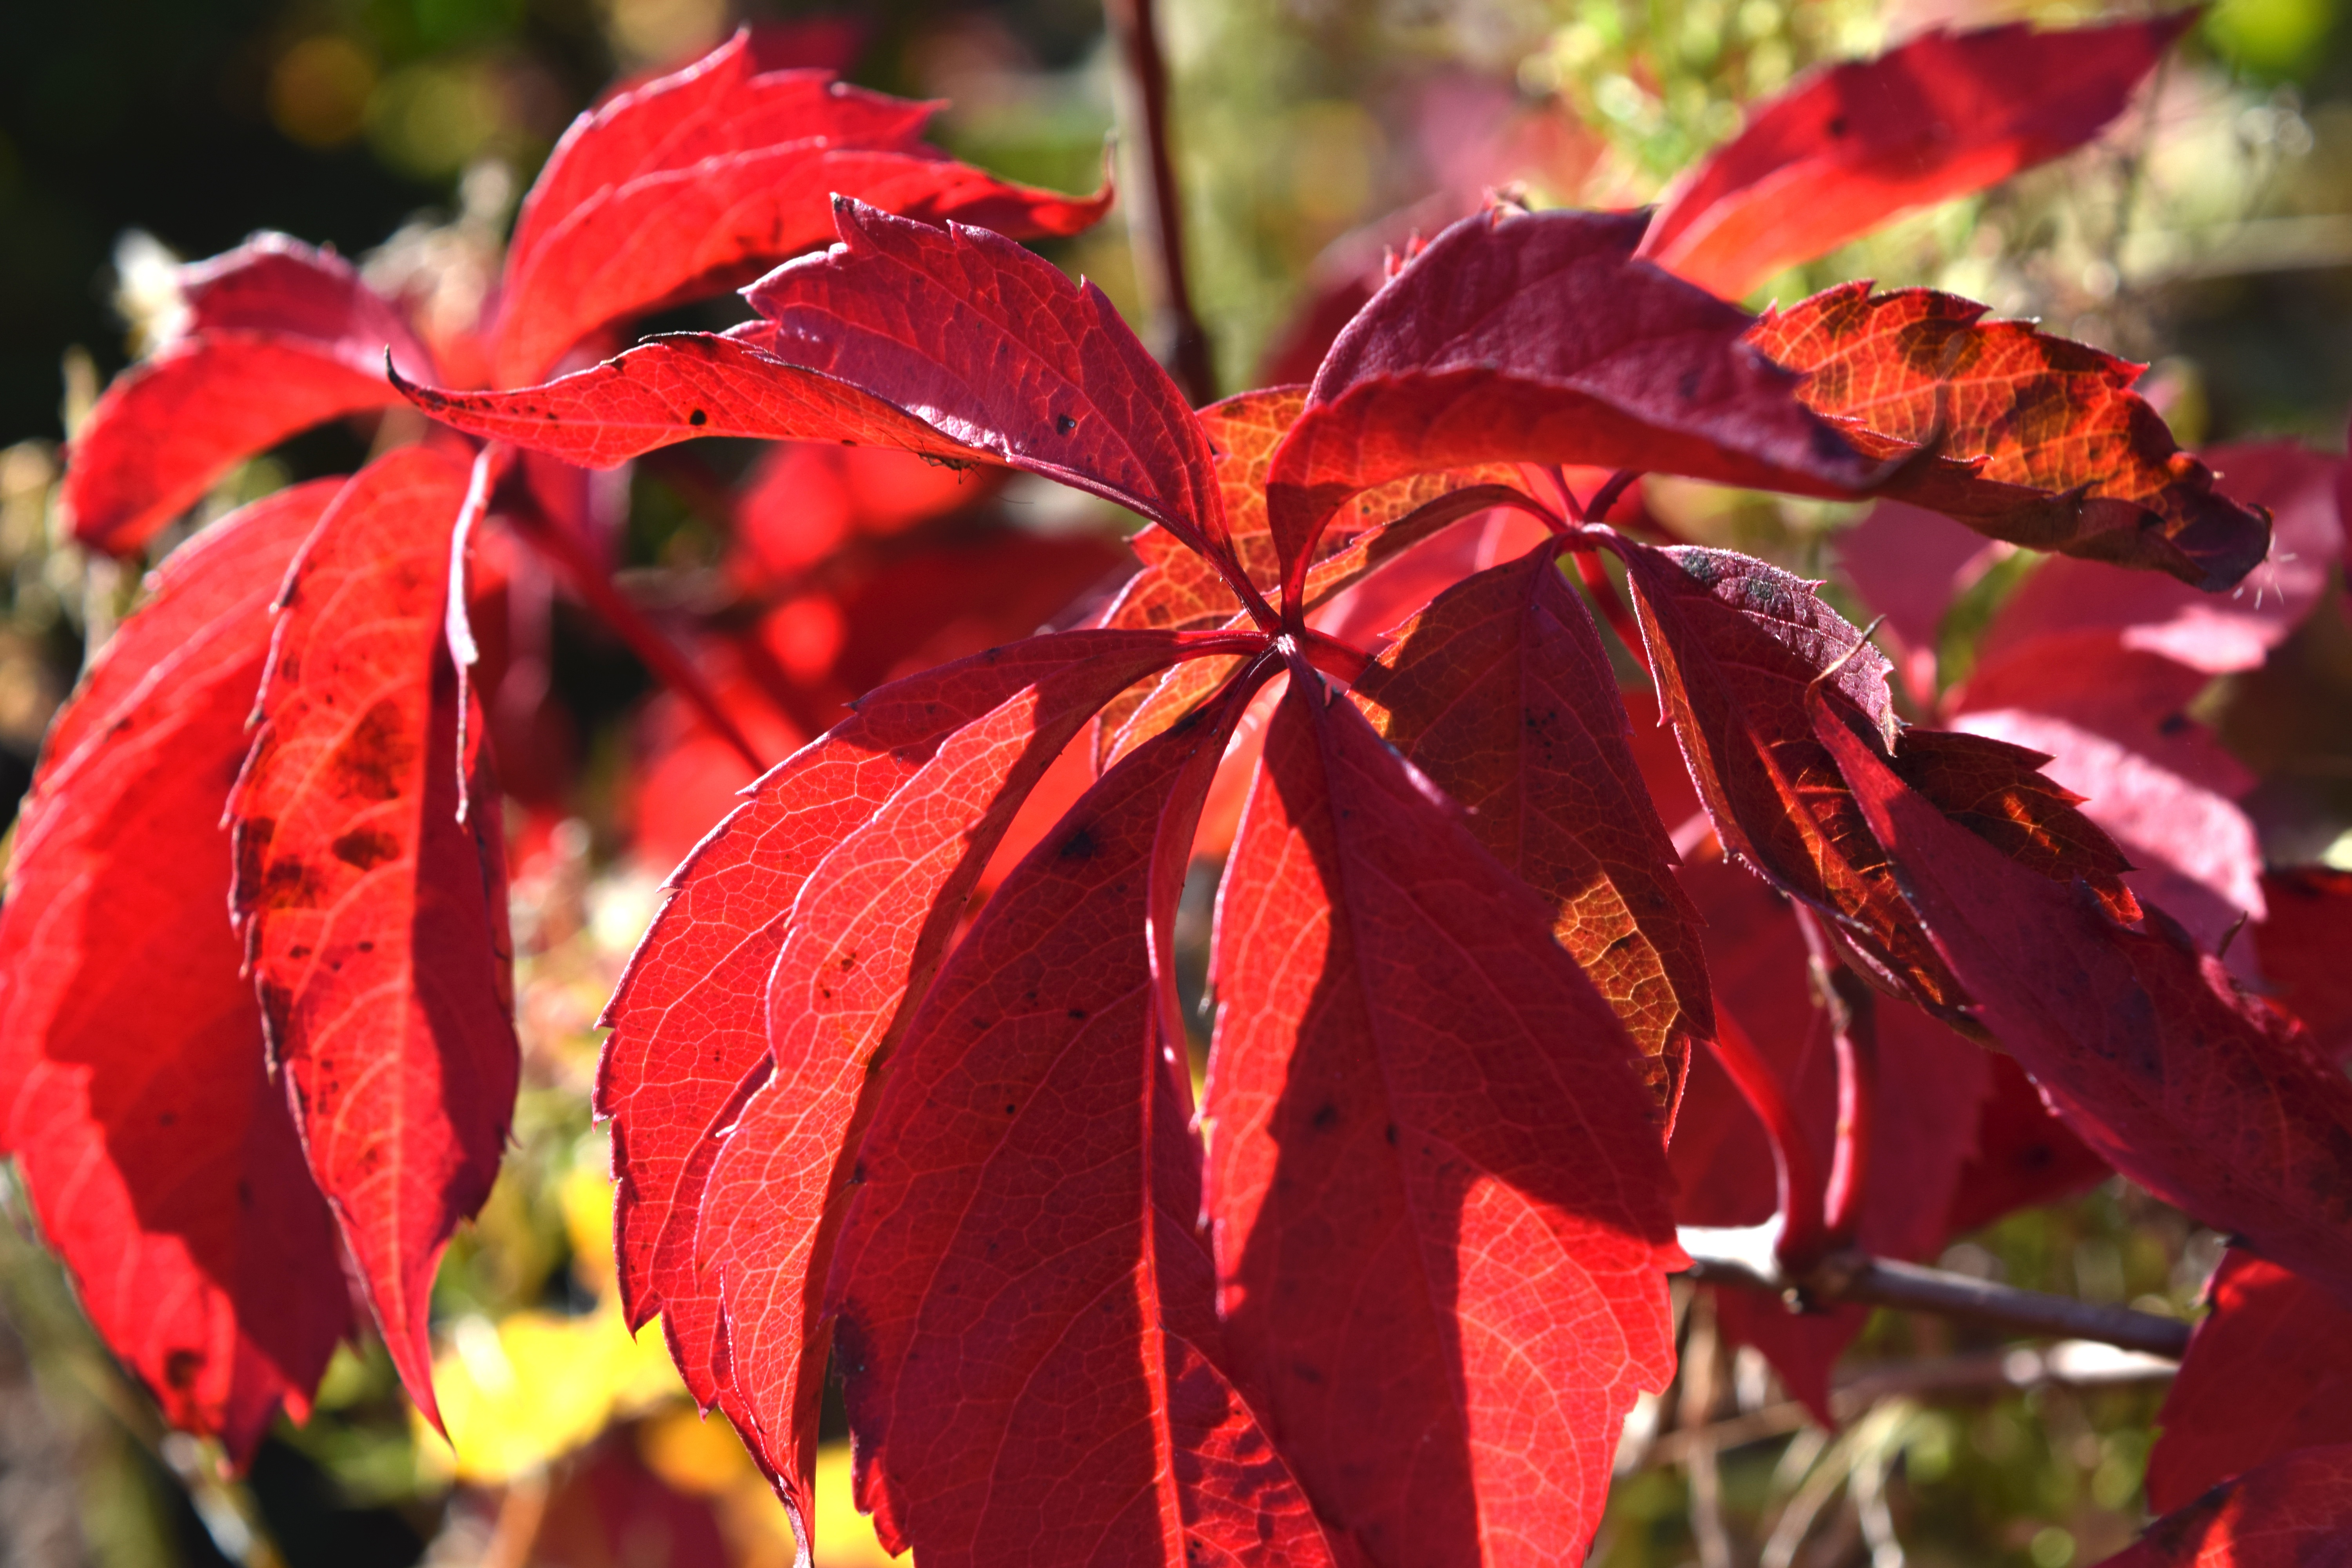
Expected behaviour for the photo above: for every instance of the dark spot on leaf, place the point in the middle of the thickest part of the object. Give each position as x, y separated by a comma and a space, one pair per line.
2172, 723
1837, 125
366, 847
697, 418
1326, 1117
1064, 423
289, 885
1010, 1109
1077, 1014
1391, 1134
1079, 845
1306, 1374
375, 757
181, 1368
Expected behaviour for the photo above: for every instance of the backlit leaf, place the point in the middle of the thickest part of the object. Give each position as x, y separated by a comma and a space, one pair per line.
375, 919
156, 1151
280, 337
1538, 338
1439, 1204
1501, 693
2268, 1370
2040, 441
703, 180
2205, 1096
1845, 150
2292, 1512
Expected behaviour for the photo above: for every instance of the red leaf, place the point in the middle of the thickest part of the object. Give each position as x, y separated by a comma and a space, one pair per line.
376, 920
157, 1153
2114, 727
1924, 1116
911, 790
2204, 631
2039, 441
997, 348
1735, 644
2303, 943
1440, 1207
2292, 1512
675, 388
281, 337
1849, 147
2268, 1370
1500, 691
1538, 338
703, 180
2025, 1155
1032, 1184
2203, 1096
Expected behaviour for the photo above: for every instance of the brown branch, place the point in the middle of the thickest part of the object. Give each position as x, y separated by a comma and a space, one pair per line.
1882, 1282
1155, 219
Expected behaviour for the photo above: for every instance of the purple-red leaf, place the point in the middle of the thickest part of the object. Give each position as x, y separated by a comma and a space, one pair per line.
1538, 338
2292, 1512
280, 337
2205, 1096
703, 180
1845, 150
1501, 692
2269, 1370
906, 799
1440, 1207
375, 919
157, 1153
1033, 1186
2037, 440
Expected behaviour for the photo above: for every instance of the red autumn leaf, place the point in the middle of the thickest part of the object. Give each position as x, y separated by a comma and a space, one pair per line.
2039, 441
375, 919
1847, 149
1032, 1183
156, 1151
1537, 338
2114, 729
2203, 1096
2302, 942
1501, 693
2292, 1512
1736, 645
1929, 1085
280, 337
2204, 631
2269, 1370
2024, 1156
1908, 565
703, 180
1437, 1195
910, 792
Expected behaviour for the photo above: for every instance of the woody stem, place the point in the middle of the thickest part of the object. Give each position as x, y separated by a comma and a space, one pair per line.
1154, 211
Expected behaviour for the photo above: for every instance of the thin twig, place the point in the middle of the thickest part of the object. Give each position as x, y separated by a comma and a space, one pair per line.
1155, 219
1733, 1258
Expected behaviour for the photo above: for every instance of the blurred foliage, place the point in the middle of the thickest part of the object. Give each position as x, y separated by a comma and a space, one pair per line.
2214, 232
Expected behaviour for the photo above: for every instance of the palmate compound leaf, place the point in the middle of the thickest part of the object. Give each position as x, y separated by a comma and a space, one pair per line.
2293, 1513
1735, 644
954, 342
2039, 441
1500, 691
1439, 1205
1027, 1330
1848, 148
158, 1156
280, 337
1537, 337
2268, 1370
725, 1173
701, 180
374, 918
2208, 1098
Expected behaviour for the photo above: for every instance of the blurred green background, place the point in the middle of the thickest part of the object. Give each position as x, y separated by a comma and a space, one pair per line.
2213, 235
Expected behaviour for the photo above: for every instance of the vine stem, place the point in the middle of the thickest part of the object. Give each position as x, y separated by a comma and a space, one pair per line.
1719, 1258
1155, 220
